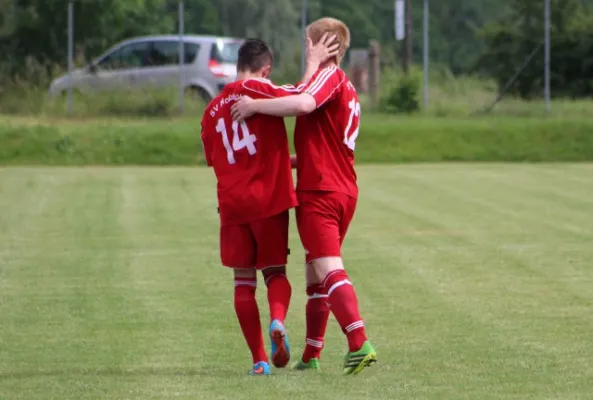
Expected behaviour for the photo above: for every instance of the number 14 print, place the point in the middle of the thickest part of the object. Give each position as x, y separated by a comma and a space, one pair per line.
238, 144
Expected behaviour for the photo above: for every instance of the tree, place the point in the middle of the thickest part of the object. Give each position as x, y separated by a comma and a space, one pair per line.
273, 21
37, 29
510, 40
41, 28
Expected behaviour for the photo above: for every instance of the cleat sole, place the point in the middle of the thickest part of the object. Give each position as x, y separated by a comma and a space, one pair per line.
281, 357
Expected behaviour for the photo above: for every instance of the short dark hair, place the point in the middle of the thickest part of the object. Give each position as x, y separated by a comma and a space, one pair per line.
254, 54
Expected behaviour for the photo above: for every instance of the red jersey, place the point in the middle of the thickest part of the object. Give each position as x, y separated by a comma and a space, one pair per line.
250, 159
324, 139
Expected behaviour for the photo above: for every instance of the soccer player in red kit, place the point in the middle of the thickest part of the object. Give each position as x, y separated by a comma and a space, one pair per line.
255, 191
327, 126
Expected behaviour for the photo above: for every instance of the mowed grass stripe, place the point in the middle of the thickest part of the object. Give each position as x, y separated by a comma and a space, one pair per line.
61, 320
176, 286
66, 247
493, 192
498, 287
468, 290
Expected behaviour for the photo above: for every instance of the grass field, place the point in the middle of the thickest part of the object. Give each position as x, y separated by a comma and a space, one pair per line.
475, 282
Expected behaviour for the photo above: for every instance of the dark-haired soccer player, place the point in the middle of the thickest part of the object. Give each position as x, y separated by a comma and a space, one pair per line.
255, 191
327, 125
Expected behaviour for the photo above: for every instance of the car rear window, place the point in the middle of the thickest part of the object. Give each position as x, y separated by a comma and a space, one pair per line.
225, 52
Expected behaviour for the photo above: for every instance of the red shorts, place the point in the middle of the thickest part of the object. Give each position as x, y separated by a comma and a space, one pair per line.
323, 219
259, 244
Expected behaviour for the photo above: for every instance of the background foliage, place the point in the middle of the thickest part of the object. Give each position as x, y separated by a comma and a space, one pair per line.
489, 37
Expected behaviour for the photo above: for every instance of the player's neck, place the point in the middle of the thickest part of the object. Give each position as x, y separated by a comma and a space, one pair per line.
241, 76
329, 63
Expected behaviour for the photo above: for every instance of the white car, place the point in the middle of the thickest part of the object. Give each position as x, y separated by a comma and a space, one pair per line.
153, 61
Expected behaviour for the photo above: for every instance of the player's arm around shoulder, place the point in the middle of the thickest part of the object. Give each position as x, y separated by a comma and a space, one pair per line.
323, 87
299, 104
280, 107
284, 100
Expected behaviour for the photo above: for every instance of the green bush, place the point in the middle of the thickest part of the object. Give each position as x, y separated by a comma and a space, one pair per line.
403, 98
400, 93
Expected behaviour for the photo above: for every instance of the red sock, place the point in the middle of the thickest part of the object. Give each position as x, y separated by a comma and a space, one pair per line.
248, 315
344, 305
279, 292
317, 315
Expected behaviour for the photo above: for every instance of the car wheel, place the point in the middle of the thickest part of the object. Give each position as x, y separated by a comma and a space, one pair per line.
200, 93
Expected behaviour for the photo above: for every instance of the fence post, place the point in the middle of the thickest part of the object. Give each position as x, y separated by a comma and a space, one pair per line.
70, 54
426, 55
304, 6
407, 48
547, 54
181, 55
374, 72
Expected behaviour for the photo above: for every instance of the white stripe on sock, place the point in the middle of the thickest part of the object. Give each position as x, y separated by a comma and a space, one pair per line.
329, 276
354, 325
314, 343
246, 283
318, 296
337, 285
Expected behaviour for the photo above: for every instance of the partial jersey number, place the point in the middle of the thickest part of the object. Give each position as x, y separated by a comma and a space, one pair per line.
351, 132
238, 144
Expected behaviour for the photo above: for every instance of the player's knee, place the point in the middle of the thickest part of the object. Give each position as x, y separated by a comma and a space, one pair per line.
273, 272
245, 282
325, 265
245, 273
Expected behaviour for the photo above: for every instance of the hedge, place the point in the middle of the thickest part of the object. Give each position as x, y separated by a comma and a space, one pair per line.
382, 139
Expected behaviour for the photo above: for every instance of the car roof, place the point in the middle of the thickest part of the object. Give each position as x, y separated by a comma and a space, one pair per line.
186, 38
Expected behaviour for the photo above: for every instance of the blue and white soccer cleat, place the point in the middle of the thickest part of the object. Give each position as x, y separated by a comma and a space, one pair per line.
280, 348
260, 368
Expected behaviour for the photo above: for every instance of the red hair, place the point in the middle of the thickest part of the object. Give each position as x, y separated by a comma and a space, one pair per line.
333, 26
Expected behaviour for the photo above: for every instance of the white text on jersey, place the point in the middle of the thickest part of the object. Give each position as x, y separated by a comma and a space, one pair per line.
223, 102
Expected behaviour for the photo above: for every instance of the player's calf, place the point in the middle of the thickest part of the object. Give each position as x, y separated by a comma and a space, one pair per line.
279, 293
248, 314
316, 316
342, 299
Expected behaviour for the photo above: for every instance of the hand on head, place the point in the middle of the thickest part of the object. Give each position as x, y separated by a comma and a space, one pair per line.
322, 51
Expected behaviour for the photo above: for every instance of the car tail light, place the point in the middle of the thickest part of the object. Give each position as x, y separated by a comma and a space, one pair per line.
216, 69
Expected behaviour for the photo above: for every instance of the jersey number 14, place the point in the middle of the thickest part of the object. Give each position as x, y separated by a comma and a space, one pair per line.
238, 144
